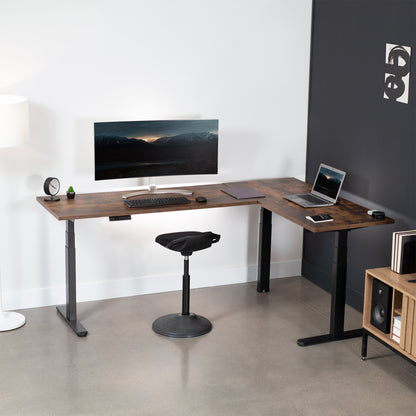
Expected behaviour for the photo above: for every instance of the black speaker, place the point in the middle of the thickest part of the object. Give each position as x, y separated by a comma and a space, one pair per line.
381, 299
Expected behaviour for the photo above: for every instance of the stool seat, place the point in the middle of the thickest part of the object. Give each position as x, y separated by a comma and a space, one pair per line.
186, 242
185, 325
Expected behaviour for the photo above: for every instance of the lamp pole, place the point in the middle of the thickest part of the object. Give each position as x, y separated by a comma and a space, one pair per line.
14, 131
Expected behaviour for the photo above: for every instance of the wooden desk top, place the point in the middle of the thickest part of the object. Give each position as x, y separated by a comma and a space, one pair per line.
347, 215
108, 204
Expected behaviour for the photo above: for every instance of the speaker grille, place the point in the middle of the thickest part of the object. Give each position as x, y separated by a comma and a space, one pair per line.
381, 301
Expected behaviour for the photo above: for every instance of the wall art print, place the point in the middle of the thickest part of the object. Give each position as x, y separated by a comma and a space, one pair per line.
397, 73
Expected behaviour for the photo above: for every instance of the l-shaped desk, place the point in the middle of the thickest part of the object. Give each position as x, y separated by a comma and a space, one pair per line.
347, 216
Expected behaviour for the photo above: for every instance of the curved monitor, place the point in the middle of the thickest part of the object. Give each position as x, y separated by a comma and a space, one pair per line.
134, 149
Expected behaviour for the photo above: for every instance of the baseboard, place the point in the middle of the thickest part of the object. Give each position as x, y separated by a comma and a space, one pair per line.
99, 290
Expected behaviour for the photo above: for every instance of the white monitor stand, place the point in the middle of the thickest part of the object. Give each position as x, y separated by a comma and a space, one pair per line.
153, 191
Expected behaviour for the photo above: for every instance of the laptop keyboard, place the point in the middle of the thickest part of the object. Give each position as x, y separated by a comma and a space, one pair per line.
313, 199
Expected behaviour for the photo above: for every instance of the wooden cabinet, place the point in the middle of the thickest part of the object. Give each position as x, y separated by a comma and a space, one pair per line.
403, 309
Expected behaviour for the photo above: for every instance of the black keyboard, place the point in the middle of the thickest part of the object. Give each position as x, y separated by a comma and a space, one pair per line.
156, 202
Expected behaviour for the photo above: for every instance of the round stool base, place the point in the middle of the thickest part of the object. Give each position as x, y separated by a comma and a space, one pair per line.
181, 326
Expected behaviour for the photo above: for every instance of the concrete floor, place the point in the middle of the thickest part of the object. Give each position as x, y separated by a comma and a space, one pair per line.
248, 365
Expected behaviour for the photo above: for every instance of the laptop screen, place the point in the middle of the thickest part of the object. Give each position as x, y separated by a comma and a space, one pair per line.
328, 182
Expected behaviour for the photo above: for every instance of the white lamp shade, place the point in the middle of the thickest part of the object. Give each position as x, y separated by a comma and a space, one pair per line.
14, 120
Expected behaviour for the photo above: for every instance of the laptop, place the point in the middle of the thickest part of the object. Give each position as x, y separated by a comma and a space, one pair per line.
325, 189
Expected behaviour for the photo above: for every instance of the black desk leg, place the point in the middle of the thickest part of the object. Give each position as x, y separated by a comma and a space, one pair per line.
339, 277
265, 241
69, 311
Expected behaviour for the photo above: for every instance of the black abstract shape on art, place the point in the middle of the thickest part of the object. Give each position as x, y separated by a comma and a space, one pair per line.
394, 86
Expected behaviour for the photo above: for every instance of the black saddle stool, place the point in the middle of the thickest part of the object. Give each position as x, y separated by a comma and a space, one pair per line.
184, 325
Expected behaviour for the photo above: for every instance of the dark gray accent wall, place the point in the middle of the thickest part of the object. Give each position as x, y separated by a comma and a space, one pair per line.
352, 127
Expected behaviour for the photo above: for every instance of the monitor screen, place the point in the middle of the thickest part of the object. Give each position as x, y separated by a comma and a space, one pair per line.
134, 149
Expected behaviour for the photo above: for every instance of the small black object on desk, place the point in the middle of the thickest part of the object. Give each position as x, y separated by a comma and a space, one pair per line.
70, 193
200, 199
376, 214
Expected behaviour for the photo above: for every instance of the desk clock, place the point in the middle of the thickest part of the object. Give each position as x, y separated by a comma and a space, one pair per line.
51, 187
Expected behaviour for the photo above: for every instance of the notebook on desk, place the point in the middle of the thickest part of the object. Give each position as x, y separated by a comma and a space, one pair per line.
325, 190
242, 192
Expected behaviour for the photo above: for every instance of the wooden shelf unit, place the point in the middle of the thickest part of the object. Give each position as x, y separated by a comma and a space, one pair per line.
403, 304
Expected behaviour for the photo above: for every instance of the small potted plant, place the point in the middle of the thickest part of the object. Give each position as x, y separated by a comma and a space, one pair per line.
70, 193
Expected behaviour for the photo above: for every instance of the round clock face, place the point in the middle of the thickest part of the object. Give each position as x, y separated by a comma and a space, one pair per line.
51, 186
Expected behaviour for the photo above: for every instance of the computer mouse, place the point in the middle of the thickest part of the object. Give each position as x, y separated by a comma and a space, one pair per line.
200, 199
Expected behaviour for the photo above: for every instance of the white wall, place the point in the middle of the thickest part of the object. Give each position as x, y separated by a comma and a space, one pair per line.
244, 62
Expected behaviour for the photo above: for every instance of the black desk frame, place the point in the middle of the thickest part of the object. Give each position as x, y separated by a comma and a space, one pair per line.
339, 280
348, 216
339, 274
69, 310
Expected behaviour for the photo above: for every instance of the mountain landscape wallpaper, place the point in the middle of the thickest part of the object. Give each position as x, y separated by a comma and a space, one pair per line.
328, 182
130, 149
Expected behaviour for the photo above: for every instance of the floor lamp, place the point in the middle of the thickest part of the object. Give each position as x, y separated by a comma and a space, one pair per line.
14, 130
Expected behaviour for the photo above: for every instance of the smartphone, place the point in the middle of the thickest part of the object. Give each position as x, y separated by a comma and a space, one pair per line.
320, 218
